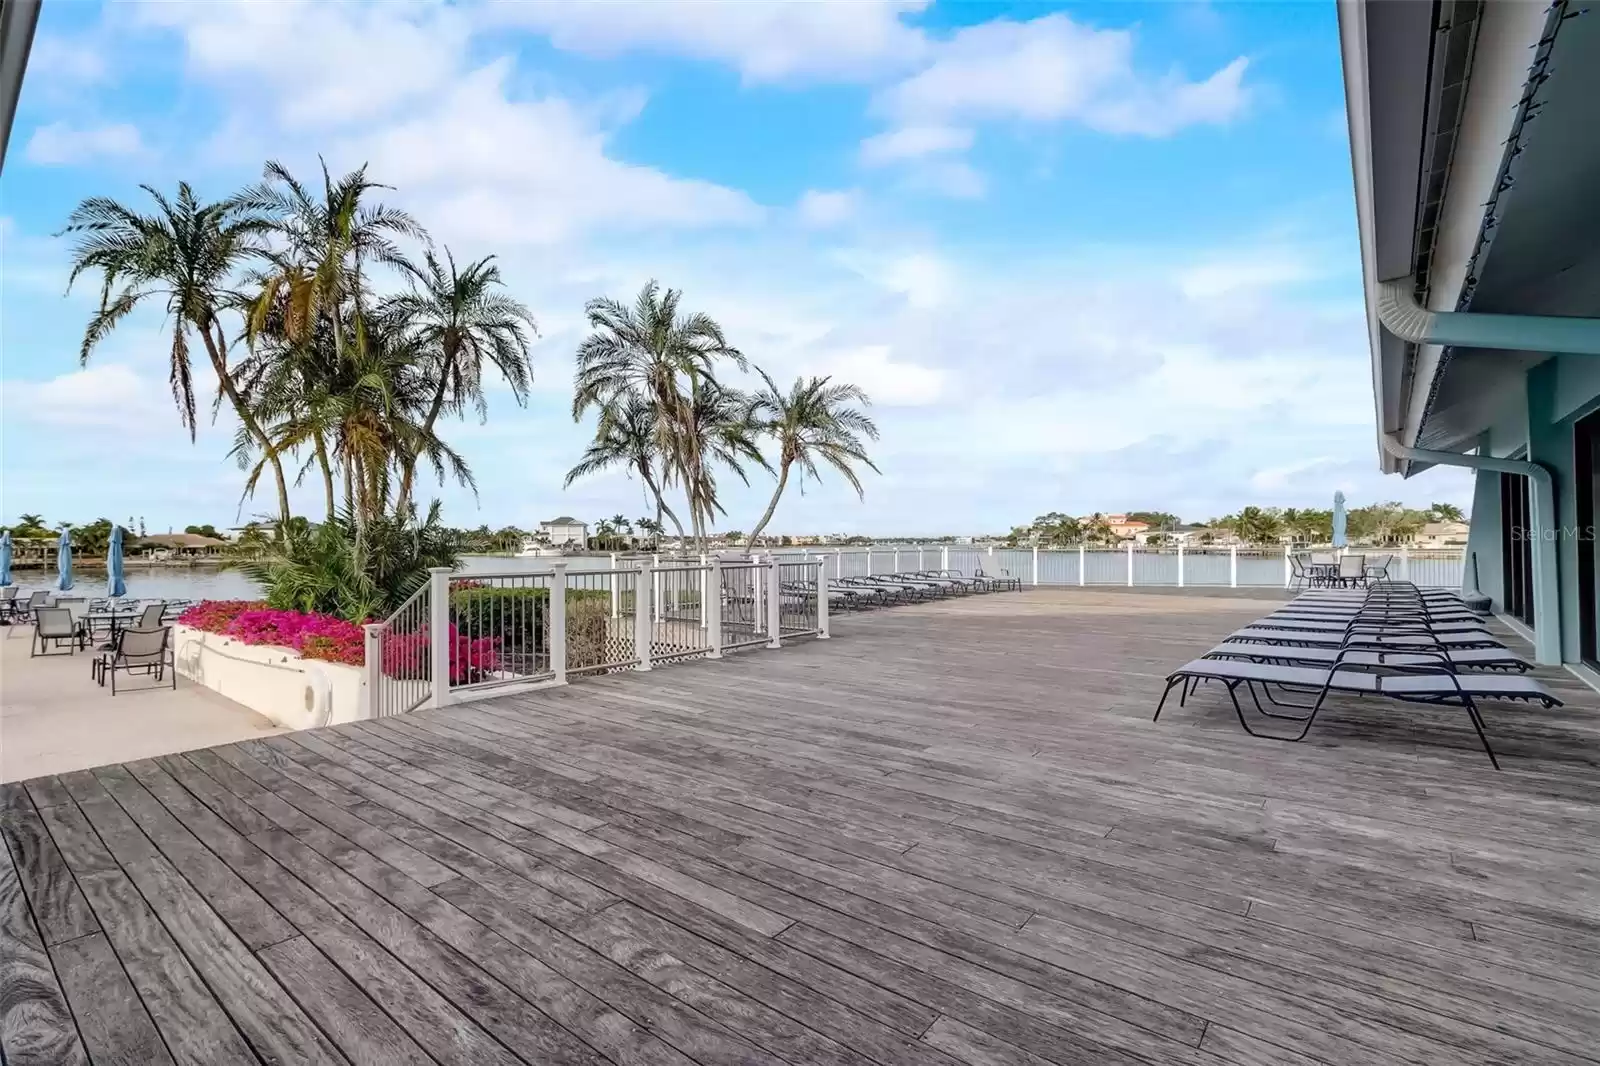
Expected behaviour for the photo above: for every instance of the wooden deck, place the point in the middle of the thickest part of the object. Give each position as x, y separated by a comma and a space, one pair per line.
951, 834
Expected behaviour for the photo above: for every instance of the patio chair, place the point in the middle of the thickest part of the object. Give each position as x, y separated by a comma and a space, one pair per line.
1298, 576
36, 599
1378, 567
1439, 685
1352, 570
143, 651
53, 624
1321, 568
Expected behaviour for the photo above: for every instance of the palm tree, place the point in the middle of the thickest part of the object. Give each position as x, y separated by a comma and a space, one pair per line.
185, 253
627, 437
724, 426
310, 290
651, 352
460, 320
1446, 512
814, 420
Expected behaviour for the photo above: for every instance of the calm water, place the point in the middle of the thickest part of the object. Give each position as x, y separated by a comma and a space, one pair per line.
212, 583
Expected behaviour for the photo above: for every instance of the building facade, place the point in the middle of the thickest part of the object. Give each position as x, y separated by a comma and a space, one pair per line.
564, 531
1475, 142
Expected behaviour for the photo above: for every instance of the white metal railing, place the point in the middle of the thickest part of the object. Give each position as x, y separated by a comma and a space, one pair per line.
507, 631
399, 669
1233, 566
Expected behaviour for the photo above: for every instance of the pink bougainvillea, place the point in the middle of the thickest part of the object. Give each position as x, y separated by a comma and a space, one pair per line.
312, 636
322, 636
406, 655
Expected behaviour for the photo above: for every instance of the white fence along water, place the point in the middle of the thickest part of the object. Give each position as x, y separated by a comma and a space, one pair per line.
507, 632
1129, 564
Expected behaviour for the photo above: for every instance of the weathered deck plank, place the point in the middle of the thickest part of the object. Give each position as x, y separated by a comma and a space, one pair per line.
950, 835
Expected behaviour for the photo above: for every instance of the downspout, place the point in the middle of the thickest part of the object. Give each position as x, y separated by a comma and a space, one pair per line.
1542, 500
1402, 316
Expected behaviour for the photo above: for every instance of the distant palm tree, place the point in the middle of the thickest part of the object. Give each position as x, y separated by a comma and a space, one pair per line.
1446, 512
185, 254
815, 420
650, 352
724, 424
626, 437
461, 321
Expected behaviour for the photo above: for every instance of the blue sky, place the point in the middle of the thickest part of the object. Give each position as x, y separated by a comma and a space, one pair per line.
1083, 257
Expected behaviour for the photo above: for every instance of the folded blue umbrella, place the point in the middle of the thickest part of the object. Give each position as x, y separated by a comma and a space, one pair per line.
115, 586
5, 558
64, 561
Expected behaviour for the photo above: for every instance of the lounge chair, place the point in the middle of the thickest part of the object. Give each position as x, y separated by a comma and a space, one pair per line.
1376, 656
1440, 686
1396, 636
53, 624
137, 651
998, 577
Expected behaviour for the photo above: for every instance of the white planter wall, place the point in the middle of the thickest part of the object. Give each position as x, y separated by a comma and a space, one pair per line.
274, 682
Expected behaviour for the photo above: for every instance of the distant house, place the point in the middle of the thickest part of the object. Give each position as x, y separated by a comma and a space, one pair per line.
565, 530
190, 544
1189, 535
1442, 535
1124, 528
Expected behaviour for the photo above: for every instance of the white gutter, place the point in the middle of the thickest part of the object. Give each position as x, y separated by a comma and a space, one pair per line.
1402, 316
1542, 501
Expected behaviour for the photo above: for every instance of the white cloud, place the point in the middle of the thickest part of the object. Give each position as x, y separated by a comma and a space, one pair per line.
106, 396
913, 142
312, 64
886, 381
66, 59
954, 178
529, 171
821, 208
62, 143
1277, 478
774, 41
1053, 69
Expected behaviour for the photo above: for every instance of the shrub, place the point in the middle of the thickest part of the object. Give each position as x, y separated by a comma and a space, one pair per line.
588, 626
516, 616
355, 573
312, 636
405, 655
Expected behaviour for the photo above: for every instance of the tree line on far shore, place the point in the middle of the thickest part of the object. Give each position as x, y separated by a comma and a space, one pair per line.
1377, 523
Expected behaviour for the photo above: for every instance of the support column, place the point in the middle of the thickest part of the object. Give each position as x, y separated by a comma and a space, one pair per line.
1036, 564
558, 618
1180, 564
1083, 578
711, 601
439, 636
822, 604
372, 671
1130, 562
1233, 566
1552, 508
646, 609
616, 595
774, 605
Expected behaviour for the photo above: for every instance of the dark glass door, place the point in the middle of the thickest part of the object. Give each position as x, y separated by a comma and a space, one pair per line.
1516, 547
1586, 495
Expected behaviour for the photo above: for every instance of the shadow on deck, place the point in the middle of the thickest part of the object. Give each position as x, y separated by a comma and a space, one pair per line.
950, 834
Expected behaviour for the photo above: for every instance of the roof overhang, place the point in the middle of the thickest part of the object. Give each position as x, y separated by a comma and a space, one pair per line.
17, 20
1432, 93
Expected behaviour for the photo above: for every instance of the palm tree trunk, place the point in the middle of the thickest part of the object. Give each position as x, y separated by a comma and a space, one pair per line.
327, 473
661, 503
219, 364
408, 466
777, 494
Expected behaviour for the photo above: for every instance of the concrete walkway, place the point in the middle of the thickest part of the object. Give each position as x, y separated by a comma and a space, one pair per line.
54, 719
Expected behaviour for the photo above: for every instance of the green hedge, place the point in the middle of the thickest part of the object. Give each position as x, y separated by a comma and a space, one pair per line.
516, 616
